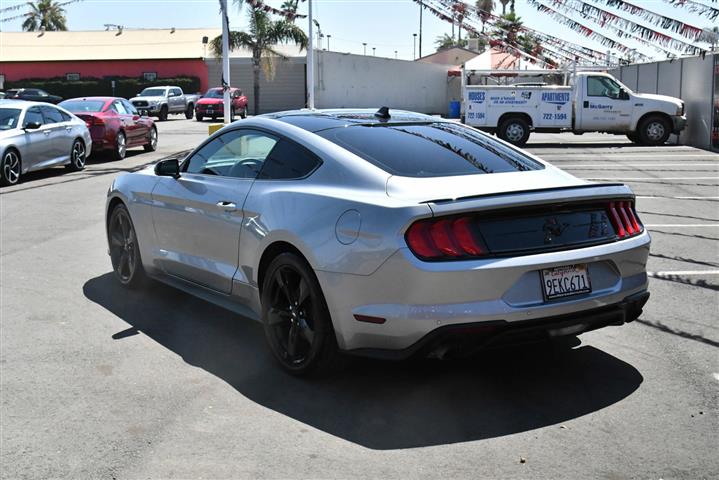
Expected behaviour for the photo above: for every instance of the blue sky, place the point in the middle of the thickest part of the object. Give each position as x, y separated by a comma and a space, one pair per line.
387, 25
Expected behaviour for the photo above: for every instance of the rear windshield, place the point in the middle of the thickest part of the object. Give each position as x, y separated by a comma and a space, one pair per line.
80, 106
430, 150
9, 118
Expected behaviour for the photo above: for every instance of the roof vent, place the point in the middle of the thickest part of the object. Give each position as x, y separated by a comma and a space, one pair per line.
383, 113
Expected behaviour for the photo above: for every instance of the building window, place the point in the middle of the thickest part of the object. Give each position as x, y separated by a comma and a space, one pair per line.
72, 77
149, 76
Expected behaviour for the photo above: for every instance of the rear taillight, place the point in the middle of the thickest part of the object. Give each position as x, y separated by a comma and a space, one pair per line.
94, 121
445, 238
624, 219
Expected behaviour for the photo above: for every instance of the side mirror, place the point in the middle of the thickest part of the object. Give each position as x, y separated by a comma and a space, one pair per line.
624, 95
32, 126
168, 168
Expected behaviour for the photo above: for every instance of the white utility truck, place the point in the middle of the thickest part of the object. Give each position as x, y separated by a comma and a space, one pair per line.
596, 102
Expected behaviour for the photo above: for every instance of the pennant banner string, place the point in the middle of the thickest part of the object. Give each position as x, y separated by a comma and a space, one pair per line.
696, 7
622, 27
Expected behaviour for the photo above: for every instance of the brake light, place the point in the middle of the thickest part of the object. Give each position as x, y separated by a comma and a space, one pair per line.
624, 219
94, 121
445, 238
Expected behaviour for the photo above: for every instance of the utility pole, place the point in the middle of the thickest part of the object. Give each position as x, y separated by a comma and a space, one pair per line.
364, 44
373, 51
310, 62
328, 42
421, 8
226, 62
414, 46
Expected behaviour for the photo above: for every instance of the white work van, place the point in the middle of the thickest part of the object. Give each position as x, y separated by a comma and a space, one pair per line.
597, 102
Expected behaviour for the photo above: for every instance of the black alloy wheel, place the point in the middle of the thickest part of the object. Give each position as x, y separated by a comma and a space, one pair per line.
297, 322
244, 113
77, 156
189, 111
124, 250
10, 168
163, 113
198, 117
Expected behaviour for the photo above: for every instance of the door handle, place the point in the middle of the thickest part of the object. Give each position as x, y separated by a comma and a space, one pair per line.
46, 132
227, 206
68, 128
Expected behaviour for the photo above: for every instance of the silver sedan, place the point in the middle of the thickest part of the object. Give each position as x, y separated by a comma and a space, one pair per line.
35, 135
388, 234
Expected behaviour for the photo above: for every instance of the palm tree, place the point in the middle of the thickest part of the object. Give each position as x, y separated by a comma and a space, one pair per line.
485, 8
45, 15
264, 33
504, 6
290, 6
448, 41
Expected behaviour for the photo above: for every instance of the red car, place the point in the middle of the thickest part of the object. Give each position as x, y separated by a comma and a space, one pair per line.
114, 124
210, 105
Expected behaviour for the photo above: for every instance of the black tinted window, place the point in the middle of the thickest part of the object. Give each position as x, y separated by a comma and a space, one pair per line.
33, 115
52, 115
237, 153
430, 150
288, 161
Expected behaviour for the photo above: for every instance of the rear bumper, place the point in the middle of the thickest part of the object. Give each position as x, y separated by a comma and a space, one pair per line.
678, 123
469, 338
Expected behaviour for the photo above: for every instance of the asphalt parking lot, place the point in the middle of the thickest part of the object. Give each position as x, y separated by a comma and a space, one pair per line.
99, 382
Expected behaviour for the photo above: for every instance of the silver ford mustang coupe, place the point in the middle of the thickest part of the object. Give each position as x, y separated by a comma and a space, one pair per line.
387, 234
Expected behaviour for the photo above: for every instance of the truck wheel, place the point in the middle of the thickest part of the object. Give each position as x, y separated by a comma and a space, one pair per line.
198, 117
188, 111
514, 130
243, 113
654, 130
634, 138
163, 113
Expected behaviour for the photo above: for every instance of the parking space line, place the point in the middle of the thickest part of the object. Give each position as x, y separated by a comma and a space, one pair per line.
670, 273
597, 165
682, 225
652, 178
654, 197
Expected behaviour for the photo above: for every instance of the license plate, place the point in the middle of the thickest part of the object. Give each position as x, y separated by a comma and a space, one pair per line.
565, 281
209, 110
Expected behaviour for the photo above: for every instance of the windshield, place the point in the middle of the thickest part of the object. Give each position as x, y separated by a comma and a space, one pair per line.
152, 92
9, 118
83, 105
213, 93
437, 149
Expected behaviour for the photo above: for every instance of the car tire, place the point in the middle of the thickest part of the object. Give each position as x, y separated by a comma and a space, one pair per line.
120, 150
78, 156
10, 168
654, 130
198, 117
151, 145
189, 111
297, 322
243, 114
163, 114
124, 249
514, 130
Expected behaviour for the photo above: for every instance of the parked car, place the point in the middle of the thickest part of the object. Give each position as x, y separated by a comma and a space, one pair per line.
211, 104
115, 125
162, 101
32, 95
386, 234
34, 136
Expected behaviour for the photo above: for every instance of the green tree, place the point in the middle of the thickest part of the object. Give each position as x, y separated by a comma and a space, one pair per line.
447, 41
263, 35
504, 6
485, 8
291, 7
45, 15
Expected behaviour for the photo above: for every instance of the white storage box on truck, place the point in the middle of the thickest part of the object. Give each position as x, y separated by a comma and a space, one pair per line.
597, 102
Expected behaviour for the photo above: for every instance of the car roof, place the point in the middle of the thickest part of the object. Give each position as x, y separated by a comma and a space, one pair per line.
316, 120
104, 99
11, 102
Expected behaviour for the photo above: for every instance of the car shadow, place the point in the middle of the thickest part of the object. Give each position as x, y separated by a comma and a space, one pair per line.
379, 405
570, 145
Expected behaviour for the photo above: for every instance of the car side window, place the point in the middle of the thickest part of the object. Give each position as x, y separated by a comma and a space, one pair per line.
602, 87
33, 115
177, 92
51, 115
288, 161
65, 116
129, 107
119, 107
42, 93
237, 154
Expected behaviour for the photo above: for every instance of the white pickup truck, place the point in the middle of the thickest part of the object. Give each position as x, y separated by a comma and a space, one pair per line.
597, 102
161, 101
